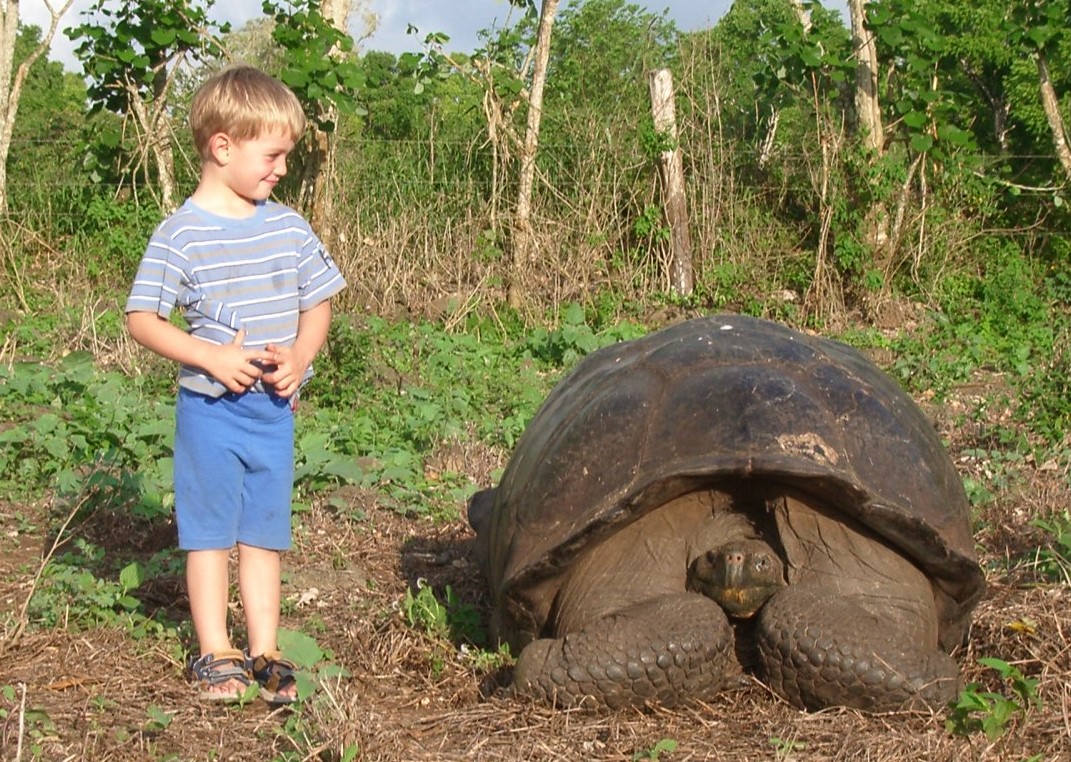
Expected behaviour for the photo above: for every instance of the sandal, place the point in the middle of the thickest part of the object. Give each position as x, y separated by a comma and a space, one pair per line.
216, 669
275, 675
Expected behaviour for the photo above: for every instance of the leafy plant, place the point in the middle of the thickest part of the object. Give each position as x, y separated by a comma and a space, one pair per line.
158, 720
314, 665
990, 712
71, 595
316, 65
1054, 560
451, 619
662, 746
786, 747
82, 430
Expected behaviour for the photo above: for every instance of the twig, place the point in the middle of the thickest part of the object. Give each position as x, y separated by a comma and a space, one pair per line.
10, 641
22, 721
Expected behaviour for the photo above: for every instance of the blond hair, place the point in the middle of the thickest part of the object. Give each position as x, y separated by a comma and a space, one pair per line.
244, 103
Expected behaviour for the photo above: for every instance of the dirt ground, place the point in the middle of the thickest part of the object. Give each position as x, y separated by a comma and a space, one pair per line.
91, 695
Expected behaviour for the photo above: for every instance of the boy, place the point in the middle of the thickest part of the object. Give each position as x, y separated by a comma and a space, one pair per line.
253, 282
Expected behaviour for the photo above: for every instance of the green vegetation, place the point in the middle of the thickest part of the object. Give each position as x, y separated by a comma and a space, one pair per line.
663, 746
965, 293
991, 712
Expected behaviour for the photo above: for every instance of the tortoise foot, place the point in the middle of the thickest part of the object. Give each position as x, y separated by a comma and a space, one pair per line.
818, 651
668, 651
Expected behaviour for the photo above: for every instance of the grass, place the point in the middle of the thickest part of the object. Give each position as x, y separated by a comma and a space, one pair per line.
385, 612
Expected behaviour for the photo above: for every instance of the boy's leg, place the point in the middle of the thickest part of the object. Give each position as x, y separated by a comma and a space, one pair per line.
208, 583
259, 584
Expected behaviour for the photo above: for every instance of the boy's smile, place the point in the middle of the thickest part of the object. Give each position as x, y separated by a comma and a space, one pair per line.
243, 173
253, 167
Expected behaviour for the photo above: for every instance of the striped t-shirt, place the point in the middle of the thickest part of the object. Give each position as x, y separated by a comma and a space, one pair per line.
226, 274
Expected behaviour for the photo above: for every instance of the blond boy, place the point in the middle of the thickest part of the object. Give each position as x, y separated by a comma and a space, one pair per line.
253, 284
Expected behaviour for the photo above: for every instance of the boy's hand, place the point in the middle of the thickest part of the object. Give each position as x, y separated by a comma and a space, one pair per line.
290, 366
237, 368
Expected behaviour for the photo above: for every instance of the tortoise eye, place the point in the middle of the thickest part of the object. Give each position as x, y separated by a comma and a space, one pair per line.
761, 564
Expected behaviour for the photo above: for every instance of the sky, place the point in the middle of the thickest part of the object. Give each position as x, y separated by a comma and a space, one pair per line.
460, 19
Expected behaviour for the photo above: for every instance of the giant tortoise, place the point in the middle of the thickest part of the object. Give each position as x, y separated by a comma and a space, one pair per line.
729, 495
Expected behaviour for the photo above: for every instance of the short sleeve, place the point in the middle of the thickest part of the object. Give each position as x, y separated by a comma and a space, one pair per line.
319, 277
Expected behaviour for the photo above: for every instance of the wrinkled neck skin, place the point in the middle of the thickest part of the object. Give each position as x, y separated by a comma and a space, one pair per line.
647, 559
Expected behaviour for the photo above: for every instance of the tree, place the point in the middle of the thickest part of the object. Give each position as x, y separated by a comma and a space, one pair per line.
11, 85
46, 139
522, 220
133, 55
318, 65
867, 105
1041, 26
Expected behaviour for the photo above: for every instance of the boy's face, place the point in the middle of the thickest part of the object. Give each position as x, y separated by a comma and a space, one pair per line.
253, 167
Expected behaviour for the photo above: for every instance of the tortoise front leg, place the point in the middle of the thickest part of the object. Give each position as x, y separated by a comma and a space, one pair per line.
670, 650
822, 649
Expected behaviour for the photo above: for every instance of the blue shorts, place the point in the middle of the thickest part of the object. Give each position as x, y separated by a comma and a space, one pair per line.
234, 470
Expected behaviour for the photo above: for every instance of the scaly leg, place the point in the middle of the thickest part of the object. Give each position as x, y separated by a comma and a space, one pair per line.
668, 650
821, 649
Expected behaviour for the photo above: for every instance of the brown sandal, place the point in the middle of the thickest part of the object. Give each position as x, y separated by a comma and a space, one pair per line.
275, 675
212, 670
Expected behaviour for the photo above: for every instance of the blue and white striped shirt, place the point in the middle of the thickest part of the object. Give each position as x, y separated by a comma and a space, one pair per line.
227, 274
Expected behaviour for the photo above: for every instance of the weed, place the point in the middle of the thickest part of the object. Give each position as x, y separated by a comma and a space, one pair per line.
1054, 560
1001, 470
314, 664
662, 746
990, 712
488, 661
158, 719
33, 724
786, 747
453, 620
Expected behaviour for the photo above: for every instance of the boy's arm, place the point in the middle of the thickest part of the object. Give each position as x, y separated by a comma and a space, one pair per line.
228, 363
292, 362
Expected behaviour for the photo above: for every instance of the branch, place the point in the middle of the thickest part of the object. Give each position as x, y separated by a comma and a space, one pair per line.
11, 641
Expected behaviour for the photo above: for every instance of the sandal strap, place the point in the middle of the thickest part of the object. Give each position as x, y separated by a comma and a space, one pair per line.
217, 668
272, 671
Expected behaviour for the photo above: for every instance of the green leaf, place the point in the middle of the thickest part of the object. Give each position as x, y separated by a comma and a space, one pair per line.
158, 716
916, 120
921, 143
300, 648
131, 577
163, 37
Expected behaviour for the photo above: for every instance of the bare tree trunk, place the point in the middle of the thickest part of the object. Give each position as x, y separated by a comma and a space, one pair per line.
522, 220
1052, 113
11, 87
158, 131
318, 172
868, 110
866, 79
674, 198
154, 142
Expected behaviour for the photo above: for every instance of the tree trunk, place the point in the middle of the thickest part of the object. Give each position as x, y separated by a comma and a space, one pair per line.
522, 220
671, 171
866, 80
1052, 113
11, 87
158, 132
318, 172
868, 111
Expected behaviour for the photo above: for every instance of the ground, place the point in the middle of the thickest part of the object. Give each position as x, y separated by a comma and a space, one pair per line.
101, 695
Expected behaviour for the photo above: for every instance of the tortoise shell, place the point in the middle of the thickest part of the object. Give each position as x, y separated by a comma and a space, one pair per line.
716, 399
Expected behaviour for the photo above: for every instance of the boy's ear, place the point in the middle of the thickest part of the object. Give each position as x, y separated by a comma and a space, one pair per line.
220, 146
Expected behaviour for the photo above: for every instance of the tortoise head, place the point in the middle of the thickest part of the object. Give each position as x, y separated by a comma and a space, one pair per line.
740, 576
